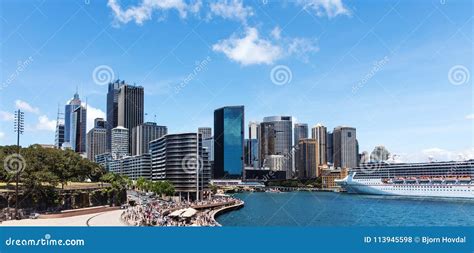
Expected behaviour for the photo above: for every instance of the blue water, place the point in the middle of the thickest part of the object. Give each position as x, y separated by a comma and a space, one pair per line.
341, 209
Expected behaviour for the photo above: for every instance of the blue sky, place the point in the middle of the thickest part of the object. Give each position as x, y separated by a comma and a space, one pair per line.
398, 71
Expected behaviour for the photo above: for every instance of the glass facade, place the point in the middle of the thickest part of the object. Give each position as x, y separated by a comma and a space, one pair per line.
228, 142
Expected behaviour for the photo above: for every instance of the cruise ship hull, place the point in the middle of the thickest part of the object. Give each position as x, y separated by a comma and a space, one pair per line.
378, 187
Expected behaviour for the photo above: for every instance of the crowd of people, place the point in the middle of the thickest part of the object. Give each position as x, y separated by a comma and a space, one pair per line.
157, 212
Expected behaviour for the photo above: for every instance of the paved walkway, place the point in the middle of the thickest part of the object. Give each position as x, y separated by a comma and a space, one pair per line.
110, 218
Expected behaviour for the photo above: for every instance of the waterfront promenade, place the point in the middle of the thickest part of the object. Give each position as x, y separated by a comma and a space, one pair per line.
107, 218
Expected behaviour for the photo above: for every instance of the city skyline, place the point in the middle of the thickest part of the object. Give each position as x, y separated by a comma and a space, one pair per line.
391, 104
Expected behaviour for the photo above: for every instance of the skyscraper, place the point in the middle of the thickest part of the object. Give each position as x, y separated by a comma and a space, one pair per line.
300, 132
345, 147
97, 139
130, 108
120, 142
206, 132
253, 145
75, 123
319, 133
77, 131
276, 139
112, 109
143, 134
306, 157
330, 148
181, 159
229, 142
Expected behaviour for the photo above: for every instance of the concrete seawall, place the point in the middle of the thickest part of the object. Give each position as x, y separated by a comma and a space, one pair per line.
224, 210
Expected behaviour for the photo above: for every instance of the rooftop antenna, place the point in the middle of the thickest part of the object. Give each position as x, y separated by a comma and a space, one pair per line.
154, 118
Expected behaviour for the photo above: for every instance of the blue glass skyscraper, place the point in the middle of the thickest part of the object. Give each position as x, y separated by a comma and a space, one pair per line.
228, 142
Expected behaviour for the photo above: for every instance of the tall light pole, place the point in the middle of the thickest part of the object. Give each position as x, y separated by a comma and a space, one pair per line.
19, 128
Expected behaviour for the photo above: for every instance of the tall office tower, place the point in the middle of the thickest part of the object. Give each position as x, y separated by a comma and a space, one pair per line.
181, 159
345, 147
130, 108
229, 142
306, 157
206, 132
208, 146
254, 130
319, 133
112, 109
276, 139
252, 144
300, 132
97, 139
120, 142
78, 129
59, 133
70, 107
143, 134
330, 148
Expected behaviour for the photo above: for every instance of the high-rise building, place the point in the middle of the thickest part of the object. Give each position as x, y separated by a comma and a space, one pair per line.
319, 133
143, 134
253, 145
306, 157
254, 130
182, 160
104, 159
78, 129
300, 132
276, 139
345, 147
130, 108
75, 124
206, 132
70, 107
59, 135
208, 145
112, 109
229, 142
97, 139
135, 167
120, 142
330, 148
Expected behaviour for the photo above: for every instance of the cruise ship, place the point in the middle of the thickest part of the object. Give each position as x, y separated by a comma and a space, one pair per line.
434, 179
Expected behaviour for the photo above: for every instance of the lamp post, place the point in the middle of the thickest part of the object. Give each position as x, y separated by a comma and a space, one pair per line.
19, 128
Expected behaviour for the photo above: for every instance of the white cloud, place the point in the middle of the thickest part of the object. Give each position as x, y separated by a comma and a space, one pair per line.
250, 49
22, 105
302, 47
6, 116
2, 135
92, 114
145, 9
436, 155
276, 33
231, 9
44, 123
470, 116
330, 8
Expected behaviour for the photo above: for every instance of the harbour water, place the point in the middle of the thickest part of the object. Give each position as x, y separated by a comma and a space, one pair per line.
342, 209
